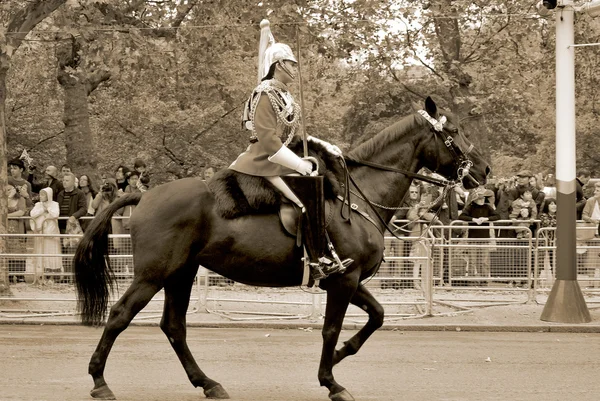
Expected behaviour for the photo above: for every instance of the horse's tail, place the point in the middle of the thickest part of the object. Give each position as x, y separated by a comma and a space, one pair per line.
93, 274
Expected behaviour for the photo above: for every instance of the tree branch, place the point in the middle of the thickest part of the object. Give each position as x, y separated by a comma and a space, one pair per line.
27, 18
95, 79
169, 153
204, 131
46, 139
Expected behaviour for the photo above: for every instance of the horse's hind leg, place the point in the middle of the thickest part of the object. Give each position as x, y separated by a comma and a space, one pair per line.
135, 298
173, 324
364, 300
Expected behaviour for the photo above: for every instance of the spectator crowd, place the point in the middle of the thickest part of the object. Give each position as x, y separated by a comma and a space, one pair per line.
60, 202
514, 207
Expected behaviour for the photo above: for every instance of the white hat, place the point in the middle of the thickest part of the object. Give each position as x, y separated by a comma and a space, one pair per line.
270, 52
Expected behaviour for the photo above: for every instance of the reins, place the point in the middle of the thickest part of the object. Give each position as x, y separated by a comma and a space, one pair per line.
463, 164
348, 178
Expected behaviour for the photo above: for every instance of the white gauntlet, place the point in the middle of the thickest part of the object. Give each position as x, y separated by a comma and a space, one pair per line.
331, 148
289, 159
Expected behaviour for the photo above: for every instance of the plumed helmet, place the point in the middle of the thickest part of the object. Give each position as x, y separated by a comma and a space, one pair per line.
270, 52
277, 52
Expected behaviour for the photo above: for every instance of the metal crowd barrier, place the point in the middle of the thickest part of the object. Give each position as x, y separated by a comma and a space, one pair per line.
442, 269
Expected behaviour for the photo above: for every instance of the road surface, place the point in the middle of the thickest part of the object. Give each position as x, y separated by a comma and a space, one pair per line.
50, 363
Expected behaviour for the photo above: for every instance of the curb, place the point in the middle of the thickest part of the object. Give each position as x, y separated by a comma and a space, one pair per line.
539, 328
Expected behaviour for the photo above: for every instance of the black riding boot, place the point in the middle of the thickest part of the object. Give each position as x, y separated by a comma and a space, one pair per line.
311, 193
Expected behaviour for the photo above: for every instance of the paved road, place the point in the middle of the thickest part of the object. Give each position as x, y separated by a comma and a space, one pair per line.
50, 363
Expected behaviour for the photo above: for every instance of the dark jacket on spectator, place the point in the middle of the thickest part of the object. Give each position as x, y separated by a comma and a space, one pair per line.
579, 198
57, 188
77, 207
472, 211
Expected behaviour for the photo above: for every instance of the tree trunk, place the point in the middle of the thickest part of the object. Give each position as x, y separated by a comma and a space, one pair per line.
3, 176
77, 85
78, 136
22, 22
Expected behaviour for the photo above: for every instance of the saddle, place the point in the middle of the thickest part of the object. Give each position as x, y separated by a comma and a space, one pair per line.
237, 194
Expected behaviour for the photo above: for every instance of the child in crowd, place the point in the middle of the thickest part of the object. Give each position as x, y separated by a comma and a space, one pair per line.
525, 200
525, 217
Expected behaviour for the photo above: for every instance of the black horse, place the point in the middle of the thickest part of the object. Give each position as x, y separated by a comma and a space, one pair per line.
175, 228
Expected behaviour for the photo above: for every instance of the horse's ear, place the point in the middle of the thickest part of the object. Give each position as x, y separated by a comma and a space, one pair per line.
430, 107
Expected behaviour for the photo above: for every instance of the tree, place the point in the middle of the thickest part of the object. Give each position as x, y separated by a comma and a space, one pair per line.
19, 21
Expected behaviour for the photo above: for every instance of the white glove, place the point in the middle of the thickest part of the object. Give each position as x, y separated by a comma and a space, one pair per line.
289, 159
331, 148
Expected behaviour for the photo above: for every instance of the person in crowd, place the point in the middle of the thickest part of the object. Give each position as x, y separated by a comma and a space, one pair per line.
134, 186
535, 181
523, 182
53, 181
17, 207
89, 190
109, 192
143, 180
72, 202
121, 174
73, 205
583, 177
525, 200
591, 214
16, 168
548, 220
548, 215
65, 169
132, 182
45, 221
479, 213
421, 217
591, 211
549, 188
402, 248
524, 220
209, 172
502, 195
139, 165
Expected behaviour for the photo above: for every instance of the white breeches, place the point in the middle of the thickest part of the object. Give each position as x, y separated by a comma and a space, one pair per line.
278, 182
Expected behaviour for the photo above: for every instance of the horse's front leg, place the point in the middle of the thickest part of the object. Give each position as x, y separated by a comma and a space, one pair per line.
339, 292
364, 300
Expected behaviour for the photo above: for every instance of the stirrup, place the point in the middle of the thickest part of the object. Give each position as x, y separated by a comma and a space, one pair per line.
327, 267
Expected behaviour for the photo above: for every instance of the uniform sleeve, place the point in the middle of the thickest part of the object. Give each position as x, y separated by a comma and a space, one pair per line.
265, 124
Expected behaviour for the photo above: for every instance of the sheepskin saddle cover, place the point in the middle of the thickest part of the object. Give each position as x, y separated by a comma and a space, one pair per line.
237, 194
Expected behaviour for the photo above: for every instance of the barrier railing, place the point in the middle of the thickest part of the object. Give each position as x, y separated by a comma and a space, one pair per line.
446, 267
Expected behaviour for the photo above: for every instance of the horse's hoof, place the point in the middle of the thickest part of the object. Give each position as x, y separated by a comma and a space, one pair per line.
343, 395
102, 393
217, 393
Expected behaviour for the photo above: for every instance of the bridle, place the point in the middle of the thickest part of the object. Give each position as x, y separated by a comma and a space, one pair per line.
462, 163
461, 158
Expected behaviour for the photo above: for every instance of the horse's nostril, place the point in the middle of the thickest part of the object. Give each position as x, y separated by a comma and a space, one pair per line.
488, 170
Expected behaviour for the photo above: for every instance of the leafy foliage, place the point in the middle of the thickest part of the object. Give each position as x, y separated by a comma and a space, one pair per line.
180, 71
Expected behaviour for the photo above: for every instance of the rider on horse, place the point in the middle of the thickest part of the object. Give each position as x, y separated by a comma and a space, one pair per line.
273, 117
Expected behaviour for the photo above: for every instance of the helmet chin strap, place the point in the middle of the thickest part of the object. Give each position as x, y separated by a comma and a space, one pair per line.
287, 70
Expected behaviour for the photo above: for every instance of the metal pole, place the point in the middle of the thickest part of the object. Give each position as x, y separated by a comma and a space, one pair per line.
565, 303
304, 134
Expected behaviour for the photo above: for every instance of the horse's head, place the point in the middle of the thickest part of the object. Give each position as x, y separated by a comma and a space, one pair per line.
448, 152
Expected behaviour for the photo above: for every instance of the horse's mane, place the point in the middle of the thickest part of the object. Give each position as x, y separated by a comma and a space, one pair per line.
380, 141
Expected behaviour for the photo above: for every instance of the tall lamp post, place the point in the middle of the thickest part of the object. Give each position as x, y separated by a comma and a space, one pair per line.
566, 303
